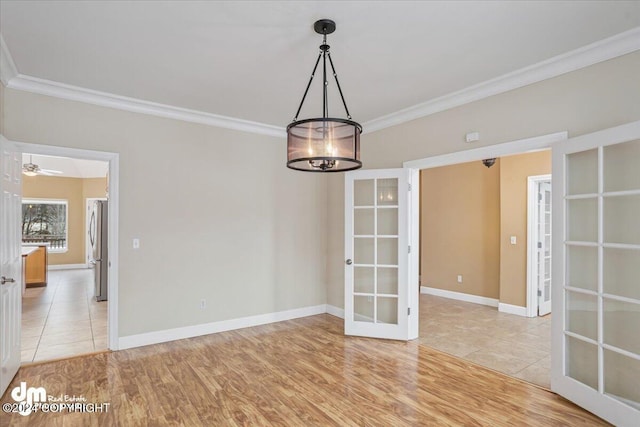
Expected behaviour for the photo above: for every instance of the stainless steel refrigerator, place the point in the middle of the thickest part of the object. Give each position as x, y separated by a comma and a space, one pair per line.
98, 238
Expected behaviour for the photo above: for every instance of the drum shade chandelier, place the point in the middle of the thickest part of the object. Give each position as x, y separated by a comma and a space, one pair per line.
324, 144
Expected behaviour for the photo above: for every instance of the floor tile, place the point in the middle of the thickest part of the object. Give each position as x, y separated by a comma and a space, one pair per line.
62, 319
537, 373
29, 343
100, 343
31, 331
63, 350
518, 346
70, 336
26, 356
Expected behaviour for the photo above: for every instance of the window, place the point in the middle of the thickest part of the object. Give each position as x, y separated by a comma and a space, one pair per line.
45, 221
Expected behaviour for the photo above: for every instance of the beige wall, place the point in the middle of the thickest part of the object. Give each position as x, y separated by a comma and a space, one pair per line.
74, 190
513, 213
218, 214
594, 98
460, 228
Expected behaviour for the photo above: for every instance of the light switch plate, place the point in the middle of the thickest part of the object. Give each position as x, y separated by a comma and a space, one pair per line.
513, 240
136, 243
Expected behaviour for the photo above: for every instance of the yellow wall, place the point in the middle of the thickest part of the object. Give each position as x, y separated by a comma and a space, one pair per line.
468, 215
513, 214
460, 228
74, 190
94, 188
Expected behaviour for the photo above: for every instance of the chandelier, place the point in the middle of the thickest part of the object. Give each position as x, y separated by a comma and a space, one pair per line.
324, 144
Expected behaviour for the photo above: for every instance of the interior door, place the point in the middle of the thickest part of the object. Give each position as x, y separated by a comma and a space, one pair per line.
544, 248
381, 294
596, 265
10, 261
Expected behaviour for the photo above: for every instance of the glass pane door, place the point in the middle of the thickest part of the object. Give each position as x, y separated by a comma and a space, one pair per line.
597, 333
544, 248
376, 248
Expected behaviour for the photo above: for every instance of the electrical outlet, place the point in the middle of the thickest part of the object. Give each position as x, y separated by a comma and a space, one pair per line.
459, 278
136, 243
203, 304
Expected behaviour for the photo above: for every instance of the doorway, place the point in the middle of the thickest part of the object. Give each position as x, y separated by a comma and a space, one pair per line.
60, 314
441, 323
68, 278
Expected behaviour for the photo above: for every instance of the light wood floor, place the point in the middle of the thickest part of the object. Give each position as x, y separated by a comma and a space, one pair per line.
297, 373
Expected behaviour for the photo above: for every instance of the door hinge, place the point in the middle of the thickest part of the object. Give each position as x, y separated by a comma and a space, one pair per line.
409, 311
409, 249
539, 245
409, 187
539, 197
539, 293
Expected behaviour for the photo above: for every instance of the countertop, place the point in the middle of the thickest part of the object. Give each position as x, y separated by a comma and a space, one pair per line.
26, 250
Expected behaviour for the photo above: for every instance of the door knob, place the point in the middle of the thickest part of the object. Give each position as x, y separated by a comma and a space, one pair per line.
4, 280
349, 262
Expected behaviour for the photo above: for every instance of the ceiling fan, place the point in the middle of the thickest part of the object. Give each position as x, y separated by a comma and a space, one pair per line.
31, 169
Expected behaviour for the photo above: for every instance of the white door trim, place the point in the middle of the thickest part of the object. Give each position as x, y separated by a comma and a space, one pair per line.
413, 274
526, 145
114, 174
536, 143
532, 232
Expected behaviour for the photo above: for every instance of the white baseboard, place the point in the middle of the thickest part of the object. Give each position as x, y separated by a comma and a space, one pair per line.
156, 337
66, 266
335, 311
491, 302
512, 309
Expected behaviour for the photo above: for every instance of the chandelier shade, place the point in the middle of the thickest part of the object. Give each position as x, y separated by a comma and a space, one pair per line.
324, 144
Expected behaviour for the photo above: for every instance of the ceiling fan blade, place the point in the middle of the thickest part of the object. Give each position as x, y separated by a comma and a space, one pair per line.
44, 172
50, 171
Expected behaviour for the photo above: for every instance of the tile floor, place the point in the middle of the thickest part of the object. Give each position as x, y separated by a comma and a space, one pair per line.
63, 319
515, 345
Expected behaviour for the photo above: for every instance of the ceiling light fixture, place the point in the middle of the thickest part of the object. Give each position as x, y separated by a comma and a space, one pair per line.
324, 144
489, 162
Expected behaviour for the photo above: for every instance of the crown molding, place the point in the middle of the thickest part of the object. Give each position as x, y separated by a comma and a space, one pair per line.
7, 67
603, 50
89, 96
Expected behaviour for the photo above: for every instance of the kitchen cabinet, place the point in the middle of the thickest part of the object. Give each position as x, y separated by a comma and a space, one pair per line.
35, 269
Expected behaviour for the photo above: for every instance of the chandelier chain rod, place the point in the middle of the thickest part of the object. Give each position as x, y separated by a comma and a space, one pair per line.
325, 100
306, 91
335, 75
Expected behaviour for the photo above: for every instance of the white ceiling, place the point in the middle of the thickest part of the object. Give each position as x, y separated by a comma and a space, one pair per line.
252, 60
70, 168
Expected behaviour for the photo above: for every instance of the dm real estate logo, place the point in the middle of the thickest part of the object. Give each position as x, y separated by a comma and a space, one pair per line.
29, 397
35, 399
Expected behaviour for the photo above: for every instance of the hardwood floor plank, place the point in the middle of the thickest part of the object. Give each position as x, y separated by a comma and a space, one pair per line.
302, 372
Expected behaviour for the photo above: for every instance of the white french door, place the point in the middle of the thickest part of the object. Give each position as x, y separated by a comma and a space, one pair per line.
544, 248
381, 285
596, 270
10, 260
